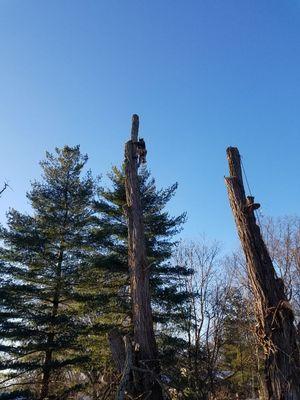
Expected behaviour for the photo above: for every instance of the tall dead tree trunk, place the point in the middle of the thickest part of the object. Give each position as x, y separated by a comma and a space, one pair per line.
145, 345
275, 318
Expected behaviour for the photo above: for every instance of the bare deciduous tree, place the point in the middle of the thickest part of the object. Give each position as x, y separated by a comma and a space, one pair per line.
282, 237
203, 314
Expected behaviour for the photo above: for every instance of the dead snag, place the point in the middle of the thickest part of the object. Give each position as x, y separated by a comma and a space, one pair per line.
117, 348
275, 318
144, 340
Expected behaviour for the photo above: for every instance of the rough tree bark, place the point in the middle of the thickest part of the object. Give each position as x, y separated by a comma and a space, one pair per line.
275, 319
117, 348
144, 339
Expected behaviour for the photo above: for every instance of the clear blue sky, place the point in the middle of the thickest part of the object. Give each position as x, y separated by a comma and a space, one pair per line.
202, 75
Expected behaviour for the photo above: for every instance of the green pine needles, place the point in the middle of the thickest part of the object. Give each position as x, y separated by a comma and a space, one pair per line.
43, 258
65, 279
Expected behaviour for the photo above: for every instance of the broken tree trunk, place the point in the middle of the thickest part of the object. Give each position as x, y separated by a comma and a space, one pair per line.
117, 348
275, 319
127, 368
144, 340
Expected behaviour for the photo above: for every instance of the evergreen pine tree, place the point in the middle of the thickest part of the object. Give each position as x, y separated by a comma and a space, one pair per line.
240, 351
160, 229
44, 257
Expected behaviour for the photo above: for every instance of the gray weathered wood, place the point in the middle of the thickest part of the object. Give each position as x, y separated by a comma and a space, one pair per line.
135, 128
275, 319
117, 348
127, 368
